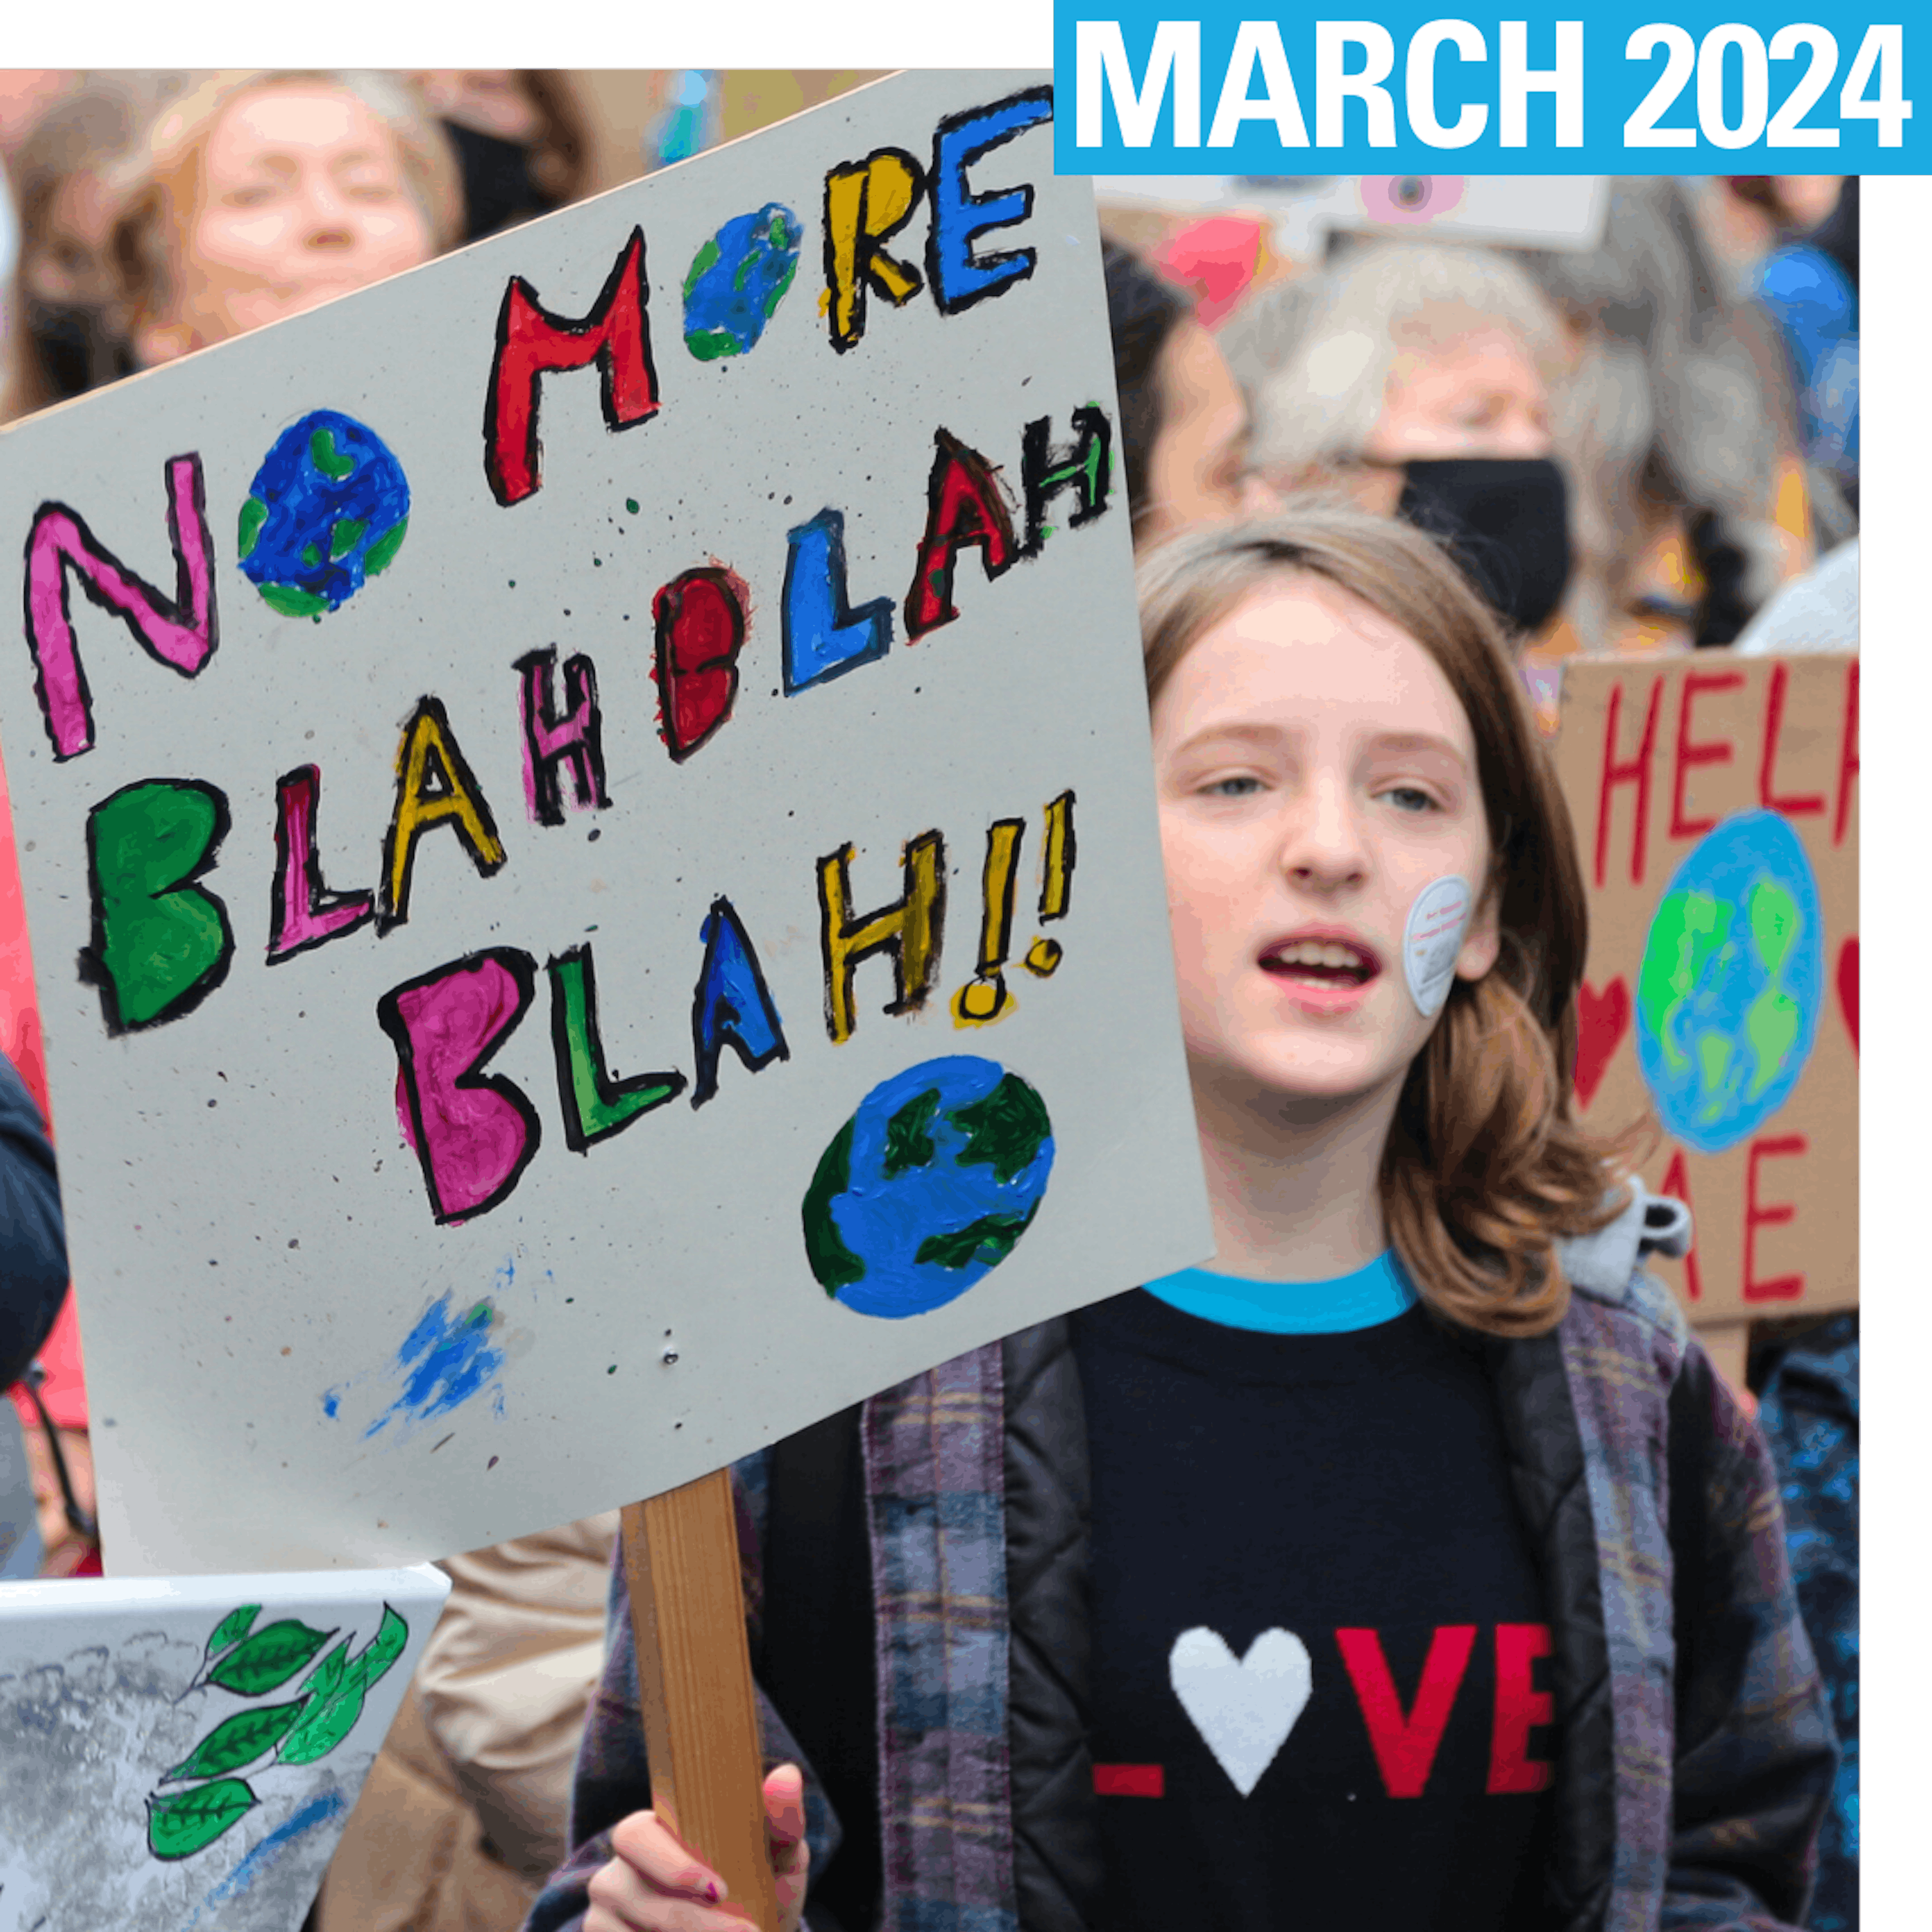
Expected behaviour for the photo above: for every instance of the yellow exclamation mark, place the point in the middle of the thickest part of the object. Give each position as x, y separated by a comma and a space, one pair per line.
1056, 890
985, 997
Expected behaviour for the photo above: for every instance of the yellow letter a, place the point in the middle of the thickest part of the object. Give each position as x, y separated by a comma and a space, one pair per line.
434, 786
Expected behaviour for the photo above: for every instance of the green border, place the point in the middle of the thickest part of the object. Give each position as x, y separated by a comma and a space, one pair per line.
595, 33
1896, 298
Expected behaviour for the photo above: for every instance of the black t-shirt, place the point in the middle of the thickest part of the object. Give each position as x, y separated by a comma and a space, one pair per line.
1321, 1668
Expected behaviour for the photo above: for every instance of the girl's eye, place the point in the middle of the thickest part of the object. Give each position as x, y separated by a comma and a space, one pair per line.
1244, 786
1410, 798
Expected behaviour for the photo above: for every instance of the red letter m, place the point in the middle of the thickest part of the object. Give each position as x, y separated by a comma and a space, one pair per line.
531, 341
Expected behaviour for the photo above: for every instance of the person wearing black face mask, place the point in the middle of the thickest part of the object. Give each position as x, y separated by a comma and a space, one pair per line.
1415, 378
1507, 520
519, 136
497, 190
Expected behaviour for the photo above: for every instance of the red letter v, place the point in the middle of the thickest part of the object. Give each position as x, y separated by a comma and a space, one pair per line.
1406, 1746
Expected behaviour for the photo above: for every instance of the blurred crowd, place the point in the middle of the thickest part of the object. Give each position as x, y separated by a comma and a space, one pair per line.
1645, 441
146, 215
1637, 440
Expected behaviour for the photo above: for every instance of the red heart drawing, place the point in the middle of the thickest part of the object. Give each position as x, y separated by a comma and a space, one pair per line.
1602, 1020
1848, 987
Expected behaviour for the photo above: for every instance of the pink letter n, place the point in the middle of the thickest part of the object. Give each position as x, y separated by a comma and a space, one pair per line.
180, 634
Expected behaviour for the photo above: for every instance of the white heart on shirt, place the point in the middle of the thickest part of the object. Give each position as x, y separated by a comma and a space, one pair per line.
1244, 1707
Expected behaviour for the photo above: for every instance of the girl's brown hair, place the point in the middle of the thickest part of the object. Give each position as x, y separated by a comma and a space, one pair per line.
1484, 1167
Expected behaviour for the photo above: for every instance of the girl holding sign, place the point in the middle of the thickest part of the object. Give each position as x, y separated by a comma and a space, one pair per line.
1409, 1566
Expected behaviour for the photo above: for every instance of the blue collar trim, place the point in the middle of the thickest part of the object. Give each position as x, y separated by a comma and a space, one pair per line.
1372, 1295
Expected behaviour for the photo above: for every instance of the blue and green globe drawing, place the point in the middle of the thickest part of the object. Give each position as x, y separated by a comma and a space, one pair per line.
1733, 981
928, 1186
737, 280
327, 509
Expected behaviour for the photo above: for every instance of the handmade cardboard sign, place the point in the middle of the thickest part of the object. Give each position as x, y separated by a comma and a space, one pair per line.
186, 1751
1715, 799
587, 831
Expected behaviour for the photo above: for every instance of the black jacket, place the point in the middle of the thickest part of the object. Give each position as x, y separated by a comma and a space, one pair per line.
1694, 1759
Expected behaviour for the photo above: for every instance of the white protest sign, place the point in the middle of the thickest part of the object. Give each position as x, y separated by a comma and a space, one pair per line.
693, 633
186, 1751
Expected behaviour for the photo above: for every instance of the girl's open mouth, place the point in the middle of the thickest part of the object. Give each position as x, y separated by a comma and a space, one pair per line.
1334, 963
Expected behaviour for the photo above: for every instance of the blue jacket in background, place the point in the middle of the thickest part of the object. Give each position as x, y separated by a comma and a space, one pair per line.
1810, 1413
1815, 308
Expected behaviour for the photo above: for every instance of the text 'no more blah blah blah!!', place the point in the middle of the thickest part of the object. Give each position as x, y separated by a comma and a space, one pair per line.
329, 511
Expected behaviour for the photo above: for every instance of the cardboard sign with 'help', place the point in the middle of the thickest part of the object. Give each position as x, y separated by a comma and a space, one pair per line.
1716, 806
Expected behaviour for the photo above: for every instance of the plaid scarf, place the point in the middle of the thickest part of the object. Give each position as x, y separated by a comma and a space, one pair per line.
934, 1478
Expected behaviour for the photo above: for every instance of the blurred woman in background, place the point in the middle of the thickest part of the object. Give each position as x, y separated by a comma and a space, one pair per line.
1417, 380
263, 195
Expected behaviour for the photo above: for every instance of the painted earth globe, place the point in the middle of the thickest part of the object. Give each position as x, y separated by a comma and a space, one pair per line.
1733, 979
327, 509
928, 1186
737, 280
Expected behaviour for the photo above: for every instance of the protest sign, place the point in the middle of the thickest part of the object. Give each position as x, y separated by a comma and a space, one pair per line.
693, 633
186, 1751
1715, 799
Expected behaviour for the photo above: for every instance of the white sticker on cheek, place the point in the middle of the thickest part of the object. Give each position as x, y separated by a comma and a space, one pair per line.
1437, 924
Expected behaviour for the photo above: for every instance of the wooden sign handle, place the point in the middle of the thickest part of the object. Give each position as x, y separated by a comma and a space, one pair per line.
695, 1679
